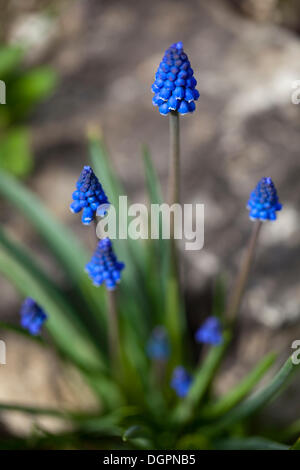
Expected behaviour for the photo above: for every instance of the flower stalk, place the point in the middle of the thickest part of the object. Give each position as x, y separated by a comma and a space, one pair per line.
243, 275
175, 93
105, 260
174, 162
113, 329
174, 318
263, 205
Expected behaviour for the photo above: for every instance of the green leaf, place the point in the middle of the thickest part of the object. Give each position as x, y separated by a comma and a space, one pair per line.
202, 380
173, 319
23, 256
15, 153
131, 432
10, 58
251, 443
68, 251
129, 249
194, 441
102, 167
131, 252
153, 185
170, 303
158, 250
66, 334
257, 401
29, 89
296, 446
96, 424
63, 325
18, 252
33, 410
87, 422
60, 240
233, 397
20, 331
290, 432
219, 298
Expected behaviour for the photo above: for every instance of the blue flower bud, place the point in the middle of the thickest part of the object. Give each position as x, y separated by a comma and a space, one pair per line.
88, 196
104, 268
264, 203
32, 316
158, 346
174, 80
210, 332
181, 381
183, 107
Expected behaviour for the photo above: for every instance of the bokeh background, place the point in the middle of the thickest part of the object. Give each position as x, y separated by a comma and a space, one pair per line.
104, 53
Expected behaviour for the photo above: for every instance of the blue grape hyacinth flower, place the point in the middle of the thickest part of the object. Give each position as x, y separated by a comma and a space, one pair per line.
210, 332
32, 316
264, 203
174, 87
158, 347
181, 381
89, 196
104, 268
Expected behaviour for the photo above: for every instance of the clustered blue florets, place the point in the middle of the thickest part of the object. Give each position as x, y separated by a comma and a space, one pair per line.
158, 346
32, 316
174, 85
181, 381
210, 332
263, 203
104, 268
88, 196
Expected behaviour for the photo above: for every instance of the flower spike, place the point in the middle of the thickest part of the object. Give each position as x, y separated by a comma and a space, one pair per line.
158, 347
104, 268
264, 203
174, 87
210, 332
32, 316
89, 195
181, 381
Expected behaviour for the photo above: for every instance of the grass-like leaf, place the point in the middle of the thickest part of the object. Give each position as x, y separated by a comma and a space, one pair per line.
66, 248
296, 446
131, 252
158, 250
254, 403
202, 380
23, 256
235, 396
251, 443
66, 333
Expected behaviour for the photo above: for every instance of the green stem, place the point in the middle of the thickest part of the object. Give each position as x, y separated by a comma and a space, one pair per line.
113, 323
174, 305
174, 184
158, 371
174, 160
113, 329
241, 281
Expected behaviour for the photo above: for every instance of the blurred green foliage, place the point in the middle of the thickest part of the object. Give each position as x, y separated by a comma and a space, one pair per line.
25, 88
137, 408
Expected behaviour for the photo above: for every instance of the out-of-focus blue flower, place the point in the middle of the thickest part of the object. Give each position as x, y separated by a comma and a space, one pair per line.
158, 346
263, 203
89, 195
104, 268
181, 381
174, 87
32, 316
210, 332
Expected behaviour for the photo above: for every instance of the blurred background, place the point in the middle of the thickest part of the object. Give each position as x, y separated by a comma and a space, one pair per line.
91, 63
